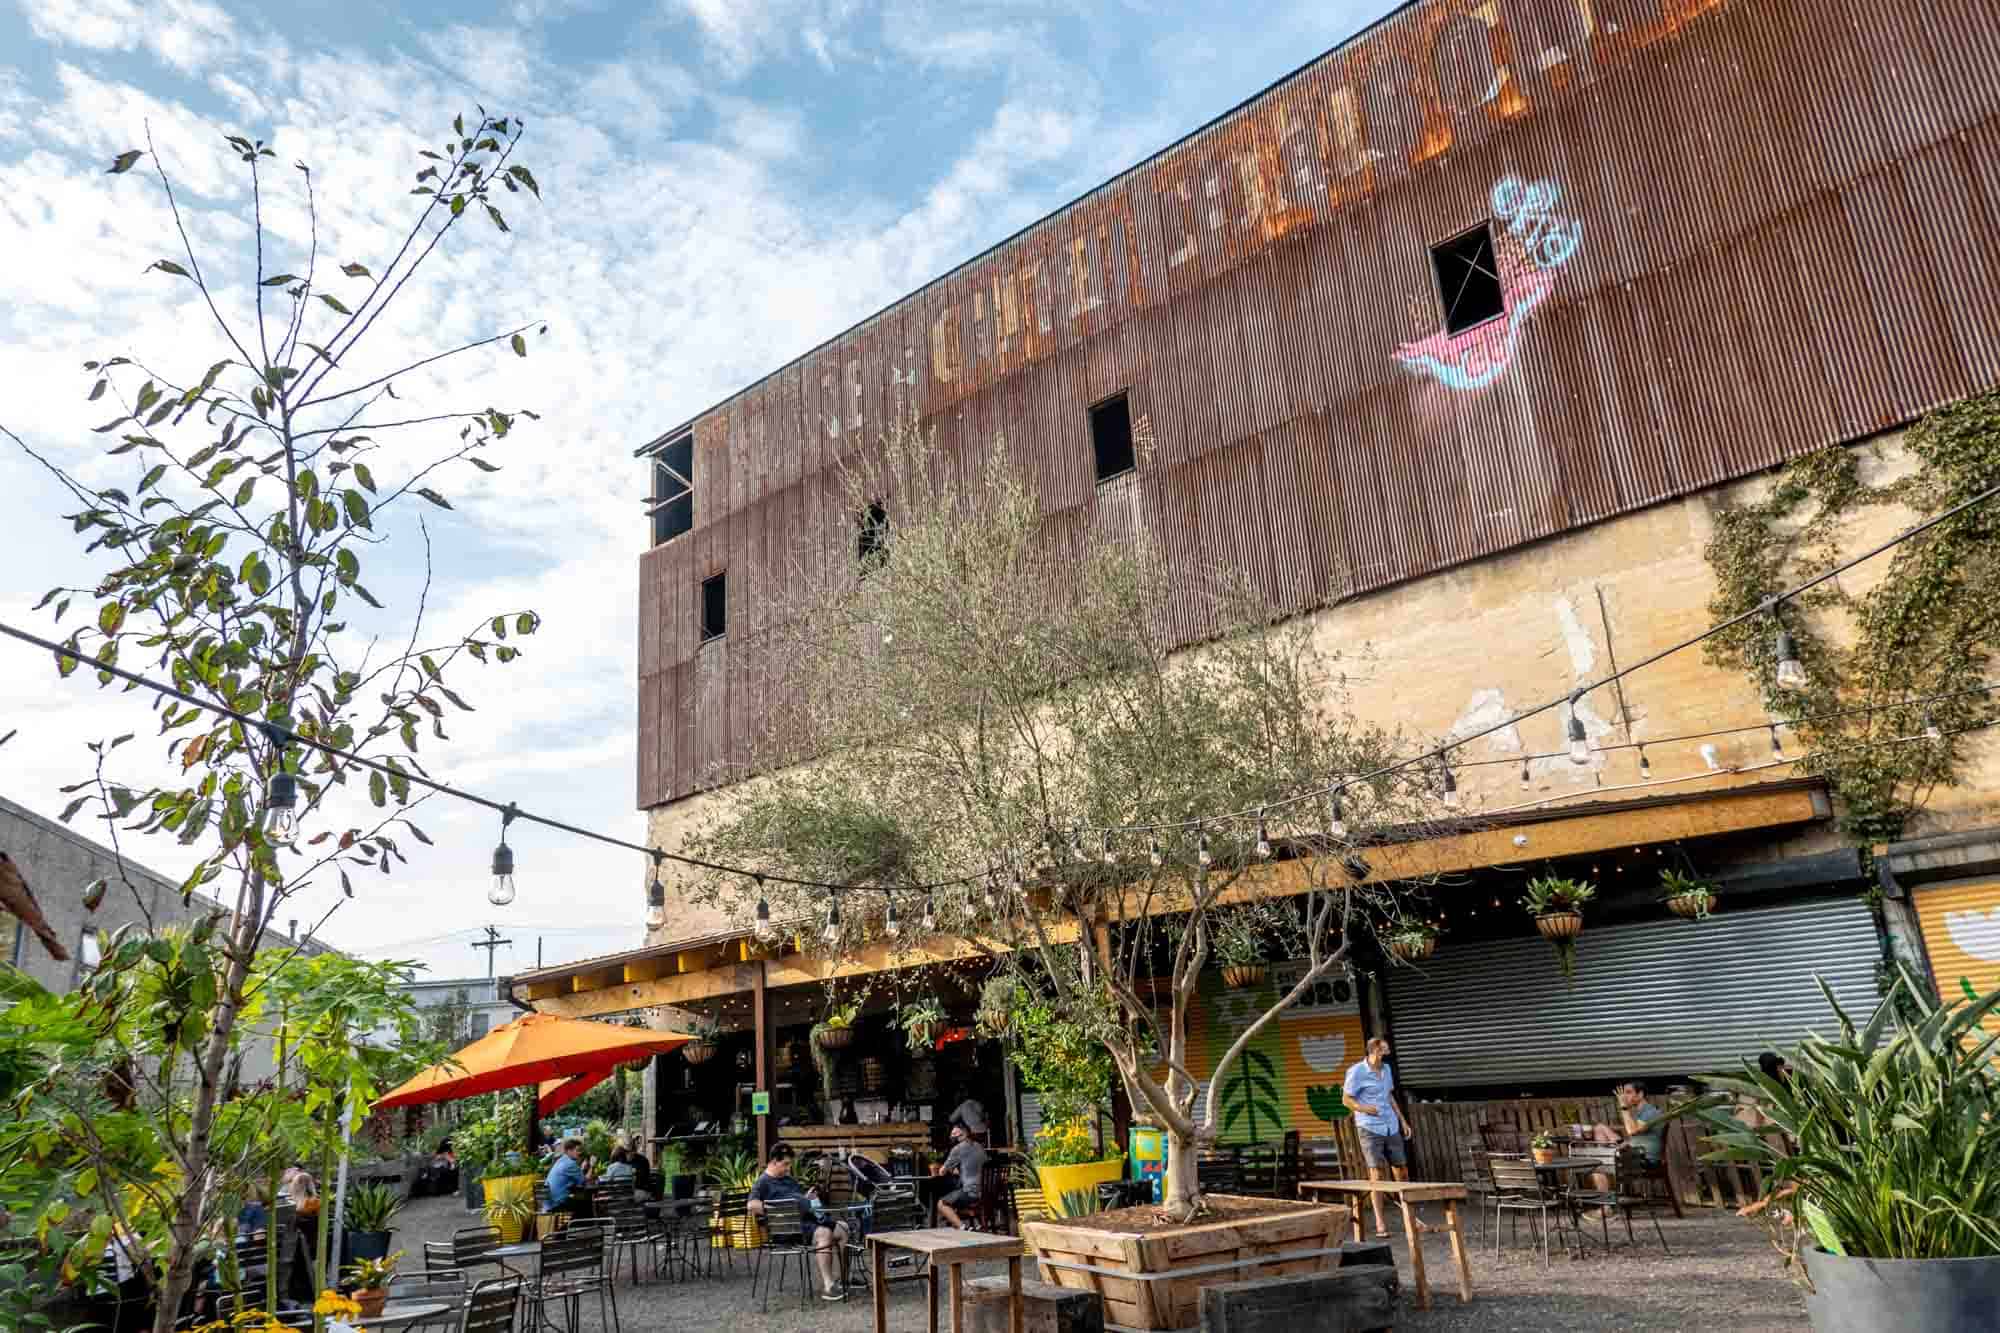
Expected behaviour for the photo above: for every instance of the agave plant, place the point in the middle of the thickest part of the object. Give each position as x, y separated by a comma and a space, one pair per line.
1891, 1132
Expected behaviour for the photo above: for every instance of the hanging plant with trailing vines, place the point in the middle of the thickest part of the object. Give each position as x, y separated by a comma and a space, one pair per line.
1928, 628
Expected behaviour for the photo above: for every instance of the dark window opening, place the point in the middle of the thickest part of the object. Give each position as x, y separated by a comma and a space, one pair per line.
1468, 279
672, 499
871, 542
1111, 437
714, 607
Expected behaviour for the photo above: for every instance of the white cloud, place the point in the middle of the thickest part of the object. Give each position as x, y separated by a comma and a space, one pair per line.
187, 34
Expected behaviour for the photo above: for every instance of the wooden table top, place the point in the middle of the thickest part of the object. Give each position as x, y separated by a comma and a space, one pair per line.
1416, 1191
946, 1246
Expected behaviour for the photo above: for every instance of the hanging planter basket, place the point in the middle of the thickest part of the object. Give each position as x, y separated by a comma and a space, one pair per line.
1693, 906
1560, 925
1410, 948
698, 1052
834, 1039
1243, 976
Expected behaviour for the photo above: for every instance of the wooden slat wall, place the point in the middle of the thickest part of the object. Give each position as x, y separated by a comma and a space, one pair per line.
1790, 225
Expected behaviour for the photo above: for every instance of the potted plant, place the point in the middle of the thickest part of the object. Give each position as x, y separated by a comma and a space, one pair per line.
921, 1020
1557, 906
509, 1187
1687, 896
1890, 1197
734, 1169
1067, 1161
707, 1034
371, 1282
836, 1031
1410, 939
1544, 1147
370, 1211
1239, 947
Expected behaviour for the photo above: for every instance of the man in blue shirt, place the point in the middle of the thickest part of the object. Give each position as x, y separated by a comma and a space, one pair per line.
1370, 1092
566, 1179
1635, 1115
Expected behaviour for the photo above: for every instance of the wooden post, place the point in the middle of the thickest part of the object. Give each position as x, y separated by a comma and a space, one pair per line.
761, 1005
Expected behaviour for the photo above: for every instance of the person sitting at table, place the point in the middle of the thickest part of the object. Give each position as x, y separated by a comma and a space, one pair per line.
620, 1171
965, 1162
566, 1194
777, 1184
1370, 1091
1635, 1113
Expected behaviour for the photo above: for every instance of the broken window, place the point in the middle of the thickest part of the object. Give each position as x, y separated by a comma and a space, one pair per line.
1468, 279
714, 607
672, 499
1111, 437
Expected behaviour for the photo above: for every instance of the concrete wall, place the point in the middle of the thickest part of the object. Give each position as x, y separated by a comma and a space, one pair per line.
58, 862
1455, 652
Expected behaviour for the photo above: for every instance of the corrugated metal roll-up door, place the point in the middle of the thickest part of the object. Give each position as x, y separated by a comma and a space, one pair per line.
1651, 998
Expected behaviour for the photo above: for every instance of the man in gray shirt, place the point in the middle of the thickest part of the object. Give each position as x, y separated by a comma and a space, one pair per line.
965, 1160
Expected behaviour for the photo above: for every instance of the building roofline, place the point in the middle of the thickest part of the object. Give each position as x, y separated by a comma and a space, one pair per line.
1359, 35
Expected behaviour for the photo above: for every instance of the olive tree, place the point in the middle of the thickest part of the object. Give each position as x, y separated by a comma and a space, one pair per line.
266, 470
984, 695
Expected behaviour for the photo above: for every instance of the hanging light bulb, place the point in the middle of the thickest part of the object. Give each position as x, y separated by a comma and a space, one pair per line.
1527, 778
1777, 748
1076, 852
930, 916
656, 898
1791, 672
1110, 856
1579, 742
1336, 827
892, 926
281, 798
1645, 764
1201, 852
990, 898
831, 935
1153, 852
502, 891
1932, 731
763, 928
1447, 784
1263, 836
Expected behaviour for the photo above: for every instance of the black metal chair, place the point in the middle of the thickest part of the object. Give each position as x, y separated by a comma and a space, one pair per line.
631, 1231
439, 1258
1219, 1172
1630, 1195
447, 1287
733, 1220
785, 1239
1521, 1189
493, 1306
1478, 1176
893, 1209
572, 1268
471, 1248
685, 1234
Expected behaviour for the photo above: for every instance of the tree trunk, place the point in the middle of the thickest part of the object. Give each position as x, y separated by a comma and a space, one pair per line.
1182, 1184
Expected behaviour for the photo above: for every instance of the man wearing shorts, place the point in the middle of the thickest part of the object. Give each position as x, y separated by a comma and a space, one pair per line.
965, 1160
1370, 1092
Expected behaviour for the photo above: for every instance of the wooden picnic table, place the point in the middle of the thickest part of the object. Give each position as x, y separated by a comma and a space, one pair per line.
1407, 1194
947, 1249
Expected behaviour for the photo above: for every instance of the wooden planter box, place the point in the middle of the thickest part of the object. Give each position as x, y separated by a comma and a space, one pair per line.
1154, 1280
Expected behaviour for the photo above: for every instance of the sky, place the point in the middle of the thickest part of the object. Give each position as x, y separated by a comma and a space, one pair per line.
725, 184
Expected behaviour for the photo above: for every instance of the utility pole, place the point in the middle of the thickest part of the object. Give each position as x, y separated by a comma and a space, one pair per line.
491, 943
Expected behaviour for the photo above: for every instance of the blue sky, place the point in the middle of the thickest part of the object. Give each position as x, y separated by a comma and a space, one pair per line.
726, 183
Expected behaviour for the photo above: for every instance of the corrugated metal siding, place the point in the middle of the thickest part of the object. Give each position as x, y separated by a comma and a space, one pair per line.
1651, 999
1961, 927
1790, 233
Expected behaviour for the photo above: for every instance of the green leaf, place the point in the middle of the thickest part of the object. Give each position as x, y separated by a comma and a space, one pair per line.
356, 270
280, 280
334, 304
519, 344
356, 506
97, 390
364, 476
109, 426
527, 623
259, 576
457, 204
498, 221
522, 175
169, 266
378, 789
433, 497
243, 491
483, 465
124, 161
153, 474
111, 617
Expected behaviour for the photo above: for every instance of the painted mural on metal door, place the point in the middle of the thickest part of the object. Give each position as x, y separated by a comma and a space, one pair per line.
1961, 925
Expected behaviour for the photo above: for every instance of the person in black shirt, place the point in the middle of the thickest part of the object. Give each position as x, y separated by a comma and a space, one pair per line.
776, 1185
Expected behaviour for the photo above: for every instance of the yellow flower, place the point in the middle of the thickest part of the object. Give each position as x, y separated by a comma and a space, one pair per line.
334, 1305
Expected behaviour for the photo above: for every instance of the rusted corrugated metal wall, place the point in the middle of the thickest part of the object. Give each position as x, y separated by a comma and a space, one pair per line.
1729, 231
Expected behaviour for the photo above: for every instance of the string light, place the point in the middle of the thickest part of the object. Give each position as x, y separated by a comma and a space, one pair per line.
1263, 836
892, 926
1527, 778
1201, 852
1791, 674
281, 798
1579, 742
1777, 747
989, 897
930, 916
1645, 764
831, 935
1447, 784
502, 891
1932, 732
1110, 856
1076, 844
1153, 852
1336, 827
1019, 886
763, 929
656, 898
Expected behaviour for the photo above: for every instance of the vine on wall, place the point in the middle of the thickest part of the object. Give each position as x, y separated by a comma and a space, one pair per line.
1928, 628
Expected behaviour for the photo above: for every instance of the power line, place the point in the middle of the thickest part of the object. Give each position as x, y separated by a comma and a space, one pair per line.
510, 811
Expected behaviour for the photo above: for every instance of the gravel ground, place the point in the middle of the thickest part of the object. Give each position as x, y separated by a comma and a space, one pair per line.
1722, 1274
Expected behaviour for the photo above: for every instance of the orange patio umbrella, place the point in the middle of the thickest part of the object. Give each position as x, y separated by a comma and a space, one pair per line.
556, 1093
533, 1049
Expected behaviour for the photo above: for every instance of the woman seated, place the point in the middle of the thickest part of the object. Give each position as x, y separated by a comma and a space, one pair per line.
620, 1172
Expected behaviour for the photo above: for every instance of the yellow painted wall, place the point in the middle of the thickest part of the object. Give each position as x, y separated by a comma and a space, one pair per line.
1961, 925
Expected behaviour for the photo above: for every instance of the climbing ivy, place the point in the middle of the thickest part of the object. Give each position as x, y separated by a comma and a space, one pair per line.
1927, 628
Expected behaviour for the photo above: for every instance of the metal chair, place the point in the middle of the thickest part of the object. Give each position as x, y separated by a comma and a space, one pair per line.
895, 1209
732, 1217
1521, 1189
785, 1239
631, 1231
572, 1268
492, 1306
470, 1247
685, 1235
448, 1287
1219, 1172
439, 1258
1478, 1176
1631, 1196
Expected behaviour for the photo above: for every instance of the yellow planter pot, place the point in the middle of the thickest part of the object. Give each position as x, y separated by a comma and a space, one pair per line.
507, 1189
1056, 1180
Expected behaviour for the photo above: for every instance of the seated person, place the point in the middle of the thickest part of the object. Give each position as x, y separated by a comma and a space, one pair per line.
643, 1178
620, 1171
566, 1181
776, 1185
965, 1161
1635, 1113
